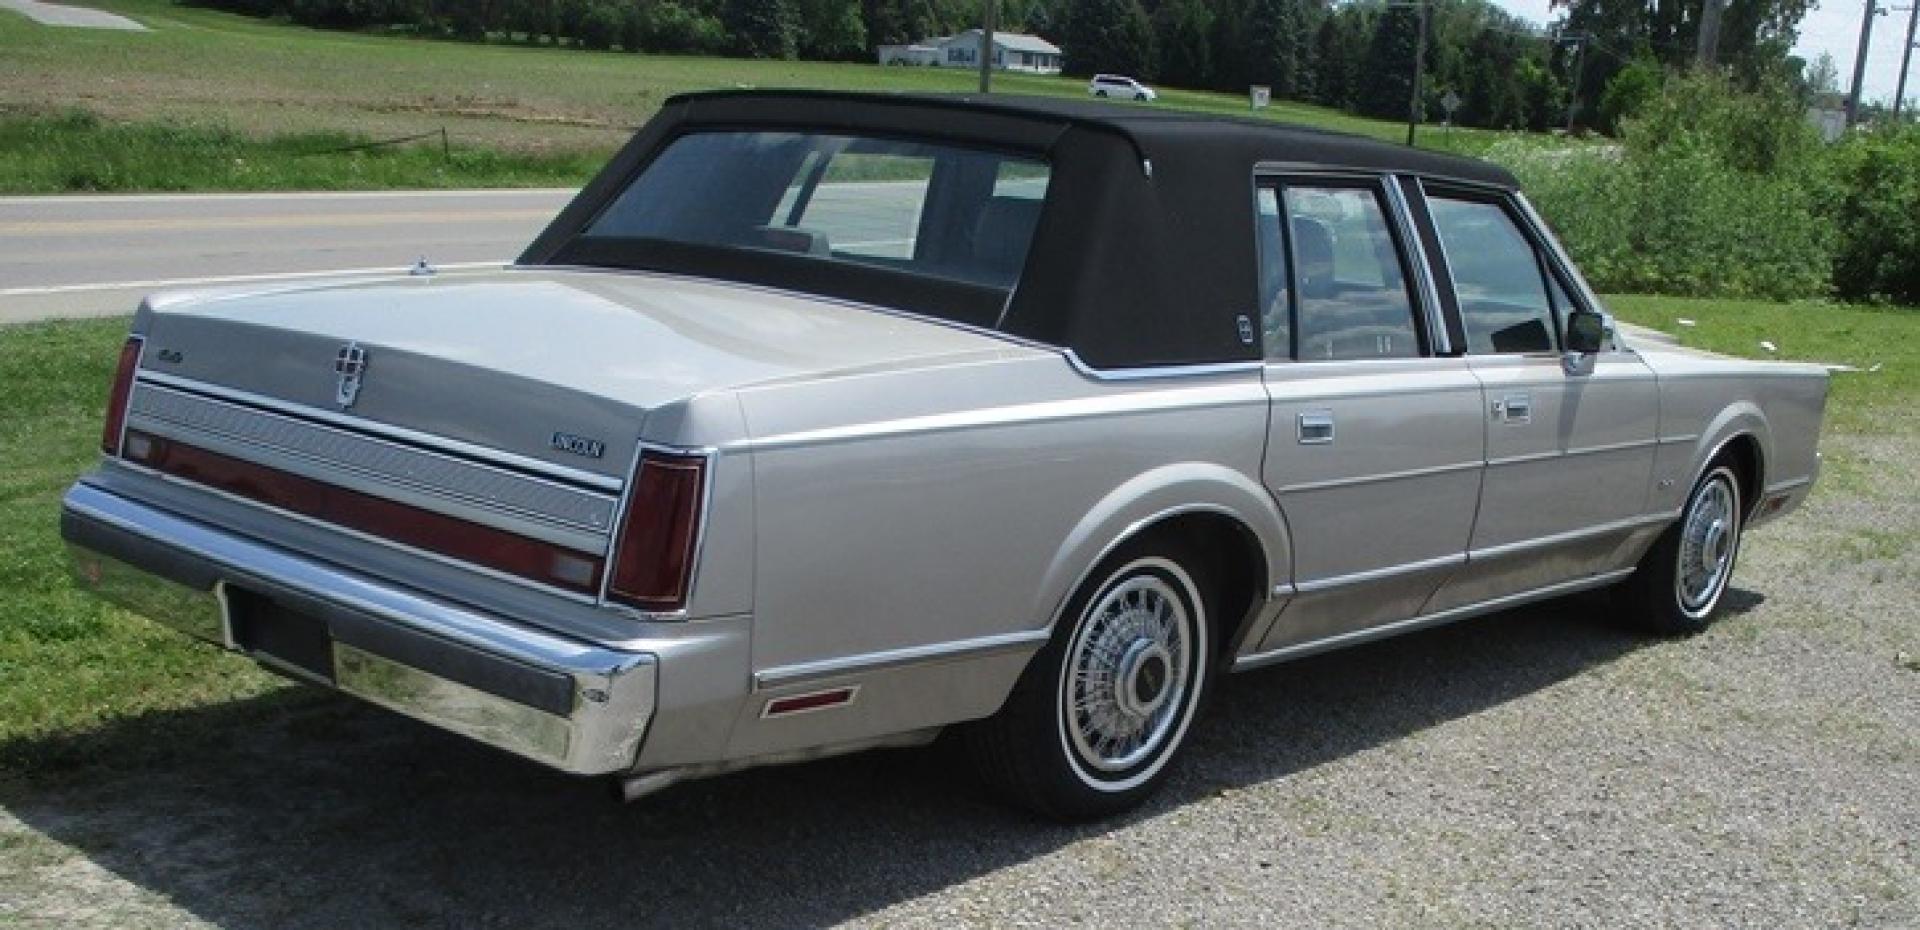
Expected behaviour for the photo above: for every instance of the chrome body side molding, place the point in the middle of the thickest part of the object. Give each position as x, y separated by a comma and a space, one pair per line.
788, 676
1181, 396
1425, 621
1319, 585
1164, 371
1544, 543
1384, 476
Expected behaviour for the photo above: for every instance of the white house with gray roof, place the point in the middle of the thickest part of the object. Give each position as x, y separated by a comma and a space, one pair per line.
1012, 51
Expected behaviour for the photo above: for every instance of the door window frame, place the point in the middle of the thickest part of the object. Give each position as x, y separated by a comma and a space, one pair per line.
1430, 333
1548, 259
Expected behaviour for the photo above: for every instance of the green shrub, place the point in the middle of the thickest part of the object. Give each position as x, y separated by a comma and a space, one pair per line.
1629, 92
600, 26
1712, 192
1763, 130
1878, 215
1582, 190
671, 26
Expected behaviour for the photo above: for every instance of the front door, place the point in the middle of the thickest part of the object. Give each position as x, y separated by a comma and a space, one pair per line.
1374, 445
1569, 449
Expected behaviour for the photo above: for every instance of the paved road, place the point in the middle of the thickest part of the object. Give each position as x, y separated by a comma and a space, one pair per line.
96, 255
51, 14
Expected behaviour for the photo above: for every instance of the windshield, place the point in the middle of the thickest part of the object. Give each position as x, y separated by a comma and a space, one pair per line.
815, 211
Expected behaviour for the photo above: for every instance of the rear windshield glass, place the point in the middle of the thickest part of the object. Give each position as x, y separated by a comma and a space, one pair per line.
755, 201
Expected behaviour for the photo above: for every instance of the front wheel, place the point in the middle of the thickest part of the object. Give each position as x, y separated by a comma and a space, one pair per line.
1679, 583
1091, 726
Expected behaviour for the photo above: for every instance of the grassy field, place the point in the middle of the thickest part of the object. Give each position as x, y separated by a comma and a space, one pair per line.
77, 151
546, 115
69, 665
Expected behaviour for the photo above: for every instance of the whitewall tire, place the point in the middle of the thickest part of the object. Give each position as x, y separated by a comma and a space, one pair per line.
1103, 710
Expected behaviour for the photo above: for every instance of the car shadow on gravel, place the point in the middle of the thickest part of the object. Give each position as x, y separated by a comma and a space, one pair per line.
299, 809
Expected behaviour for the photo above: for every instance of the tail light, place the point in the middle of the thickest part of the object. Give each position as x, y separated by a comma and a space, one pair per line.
481, 545
653, 558
117, 401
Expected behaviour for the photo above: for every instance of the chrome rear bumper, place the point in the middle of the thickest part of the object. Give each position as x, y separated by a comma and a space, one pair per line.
577, 707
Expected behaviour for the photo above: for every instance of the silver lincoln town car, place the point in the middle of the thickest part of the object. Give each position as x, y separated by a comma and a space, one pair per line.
820, 422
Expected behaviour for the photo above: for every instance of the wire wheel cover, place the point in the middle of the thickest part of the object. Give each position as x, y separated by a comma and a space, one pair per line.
1130, 668
1708, 540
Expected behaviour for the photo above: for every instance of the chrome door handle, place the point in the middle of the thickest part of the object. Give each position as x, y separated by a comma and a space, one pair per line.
1514, 408
1316, 427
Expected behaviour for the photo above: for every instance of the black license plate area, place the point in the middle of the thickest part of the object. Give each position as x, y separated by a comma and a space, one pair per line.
268, 629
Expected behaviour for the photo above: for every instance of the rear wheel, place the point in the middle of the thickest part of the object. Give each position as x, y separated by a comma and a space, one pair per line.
1099, 714
1099, 93
1679, 583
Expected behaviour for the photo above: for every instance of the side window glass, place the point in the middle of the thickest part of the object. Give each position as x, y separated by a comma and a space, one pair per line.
1502, 291
1353, 295
1276, 306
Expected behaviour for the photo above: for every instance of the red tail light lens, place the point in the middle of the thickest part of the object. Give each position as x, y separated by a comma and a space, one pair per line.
653, 560
410, 526
117, 401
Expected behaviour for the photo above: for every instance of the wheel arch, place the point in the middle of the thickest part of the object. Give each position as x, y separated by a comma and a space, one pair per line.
1742, 451
1741, 435
1227, 515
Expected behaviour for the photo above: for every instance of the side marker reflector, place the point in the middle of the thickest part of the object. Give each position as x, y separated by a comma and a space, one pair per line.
816, 700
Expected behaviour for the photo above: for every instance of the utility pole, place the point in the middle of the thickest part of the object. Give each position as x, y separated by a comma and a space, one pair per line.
1860, 61
987, 17
1906, 58
1414, 108
1707, 52
1579, 40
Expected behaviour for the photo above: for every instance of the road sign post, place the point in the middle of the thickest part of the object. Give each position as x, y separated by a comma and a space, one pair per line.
1449, 103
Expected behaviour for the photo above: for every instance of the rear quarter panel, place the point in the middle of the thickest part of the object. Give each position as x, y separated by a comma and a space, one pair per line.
930, 507
1707, 400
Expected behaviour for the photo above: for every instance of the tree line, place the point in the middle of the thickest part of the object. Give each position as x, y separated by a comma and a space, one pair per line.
1602, 59
1354, 55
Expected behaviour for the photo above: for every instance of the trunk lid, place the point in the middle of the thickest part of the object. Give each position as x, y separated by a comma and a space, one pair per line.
506, 360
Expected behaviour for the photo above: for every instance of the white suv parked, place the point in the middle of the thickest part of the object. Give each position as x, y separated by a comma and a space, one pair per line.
1115, 85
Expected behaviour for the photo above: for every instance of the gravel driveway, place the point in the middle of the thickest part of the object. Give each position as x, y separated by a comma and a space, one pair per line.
1536, 768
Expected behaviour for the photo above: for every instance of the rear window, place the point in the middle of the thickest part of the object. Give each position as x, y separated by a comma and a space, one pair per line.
847, 205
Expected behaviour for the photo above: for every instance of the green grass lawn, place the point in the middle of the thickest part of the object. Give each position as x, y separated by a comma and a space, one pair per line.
78, 152
545, 115
70, 666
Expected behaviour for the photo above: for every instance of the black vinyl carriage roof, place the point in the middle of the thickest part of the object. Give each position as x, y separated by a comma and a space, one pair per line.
1144, 254
1153, 130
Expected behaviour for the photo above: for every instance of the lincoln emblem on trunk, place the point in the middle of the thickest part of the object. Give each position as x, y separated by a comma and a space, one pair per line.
350, 363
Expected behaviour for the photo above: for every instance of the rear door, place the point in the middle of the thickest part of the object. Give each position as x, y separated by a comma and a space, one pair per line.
1374, 447
1569, 447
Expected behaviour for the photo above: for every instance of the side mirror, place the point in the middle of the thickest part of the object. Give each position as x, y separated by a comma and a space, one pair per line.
1586, 332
